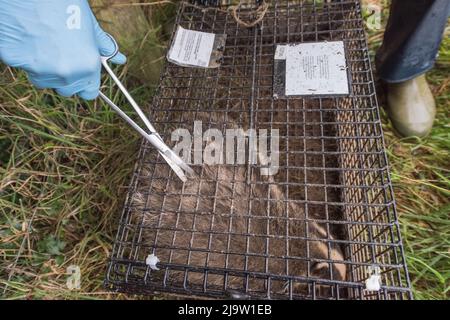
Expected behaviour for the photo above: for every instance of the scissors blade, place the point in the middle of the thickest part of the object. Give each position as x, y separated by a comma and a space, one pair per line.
180, 163
174, 167
174, 160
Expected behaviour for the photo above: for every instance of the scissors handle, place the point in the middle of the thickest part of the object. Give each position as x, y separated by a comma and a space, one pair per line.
116, 49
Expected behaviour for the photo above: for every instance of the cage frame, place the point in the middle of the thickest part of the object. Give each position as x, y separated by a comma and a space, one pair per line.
357, 112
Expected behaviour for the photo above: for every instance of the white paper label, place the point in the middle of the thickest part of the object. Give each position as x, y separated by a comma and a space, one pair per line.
316, 69
280, 53
193, 48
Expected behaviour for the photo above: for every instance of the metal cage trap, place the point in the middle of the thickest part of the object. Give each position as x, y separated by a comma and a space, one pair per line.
324, 227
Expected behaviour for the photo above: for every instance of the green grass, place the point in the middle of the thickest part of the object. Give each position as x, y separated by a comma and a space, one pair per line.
64, 167
65, 164
420, 173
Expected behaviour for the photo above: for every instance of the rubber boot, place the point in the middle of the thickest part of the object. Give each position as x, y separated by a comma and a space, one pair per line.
411, 107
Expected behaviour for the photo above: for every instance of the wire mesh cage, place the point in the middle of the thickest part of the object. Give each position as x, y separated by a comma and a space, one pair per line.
316, 229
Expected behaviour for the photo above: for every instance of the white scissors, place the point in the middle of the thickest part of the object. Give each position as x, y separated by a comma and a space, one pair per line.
172, 159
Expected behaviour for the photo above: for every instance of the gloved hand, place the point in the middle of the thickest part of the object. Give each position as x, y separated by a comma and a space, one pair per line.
57, 42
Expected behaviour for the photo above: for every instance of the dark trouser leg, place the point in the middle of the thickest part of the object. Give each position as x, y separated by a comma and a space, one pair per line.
412, 39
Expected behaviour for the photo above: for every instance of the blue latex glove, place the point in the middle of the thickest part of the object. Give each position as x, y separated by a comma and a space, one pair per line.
57, 42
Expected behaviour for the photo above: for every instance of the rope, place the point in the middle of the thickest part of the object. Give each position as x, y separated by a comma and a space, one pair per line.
259, 13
